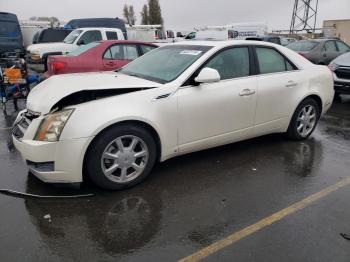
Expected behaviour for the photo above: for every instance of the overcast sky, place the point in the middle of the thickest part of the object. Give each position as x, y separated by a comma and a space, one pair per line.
180, 14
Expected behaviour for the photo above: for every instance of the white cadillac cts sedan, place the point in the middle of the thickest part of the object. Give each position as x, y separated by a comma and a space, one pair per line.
114, 126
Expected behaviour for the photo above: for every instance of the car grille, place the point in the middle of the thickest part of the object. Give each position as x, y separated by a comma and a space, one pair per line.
343, 72
22, 125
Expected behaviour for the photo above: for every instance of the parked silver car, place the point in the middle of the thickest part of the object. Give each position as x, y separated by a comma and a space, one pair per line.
341, 68
320, 51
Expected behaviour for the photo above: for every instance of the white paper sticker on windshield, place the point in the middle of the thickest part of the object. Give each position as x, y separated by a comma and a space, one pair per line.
190, 52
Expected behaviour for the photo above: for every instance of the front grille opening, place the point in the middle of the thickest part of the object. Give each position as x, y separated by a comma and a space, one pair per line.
343, 73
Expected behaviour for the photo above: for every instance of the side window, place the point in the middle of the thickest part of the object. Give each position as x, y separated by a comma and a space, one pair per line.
108, 54
231, 63
121, 52
146, 48
112, 35
131, 52
342, 47
115, 52
270, 61
90, 36
330, 46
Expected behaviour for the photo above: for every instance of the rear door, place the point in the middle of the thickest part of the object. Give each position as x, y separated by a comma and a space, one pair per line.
119, 55
278, 80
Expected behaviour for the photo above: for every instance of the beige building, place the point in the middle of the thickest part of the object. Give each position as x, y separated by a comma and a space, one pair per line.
337, 28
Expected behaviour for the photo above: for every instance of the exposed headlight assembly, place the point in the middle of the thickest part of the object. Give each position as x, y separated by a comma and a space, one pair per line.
52, 126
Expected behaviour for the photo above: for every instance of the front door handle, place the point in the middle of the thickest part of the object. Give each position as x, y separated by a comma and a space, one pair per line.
247, 92
291, 84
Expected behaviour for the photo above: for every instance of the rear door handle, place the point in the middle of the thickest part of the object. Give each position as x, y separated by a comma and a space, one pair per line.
247, 92
110, 63
291, 84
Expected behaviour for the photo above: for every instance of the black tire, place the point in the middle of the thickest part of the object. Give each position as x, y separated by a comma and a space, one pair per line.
92, 166
292, 132
337, 97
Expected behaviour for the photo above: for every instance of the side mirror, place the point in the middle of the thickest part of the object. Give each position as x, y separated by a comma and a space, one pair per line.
81, 42
208, 75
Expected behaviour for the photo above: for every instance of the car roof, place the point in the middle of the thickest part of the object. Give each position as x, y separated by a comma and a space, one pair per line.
127, 42
223, 43
98, 28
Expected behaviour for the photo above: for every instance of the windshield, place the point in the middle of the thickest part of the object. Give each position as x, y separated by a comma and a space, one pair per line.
302, 45
9, 29
72, 36
83, 49
165, 64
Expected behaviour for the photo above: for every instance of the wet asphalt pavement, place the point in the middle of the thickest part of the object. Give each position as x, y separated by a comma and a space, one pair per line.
190, 202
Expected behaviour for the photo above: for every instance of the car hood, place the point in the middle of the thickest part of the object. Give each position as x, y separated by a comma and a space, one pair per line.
47, 94
50, 47
343, 60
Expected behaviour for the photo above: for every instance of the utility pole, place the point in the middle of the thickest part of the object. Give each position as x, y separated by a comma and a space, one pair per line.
304, 16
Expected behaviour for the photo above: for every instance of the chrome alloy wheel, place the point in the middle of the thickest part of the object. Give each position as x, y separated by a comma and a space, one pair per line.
306, 120
124, 159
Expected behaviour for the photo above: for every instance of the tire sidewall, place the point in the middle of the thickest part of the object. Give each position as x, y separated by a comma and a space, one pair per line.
93, 157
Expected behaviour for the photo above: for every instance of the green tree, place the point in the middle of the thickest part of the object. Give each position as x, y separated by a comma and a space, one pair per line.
144, 15
155, 13
132, 16
126, 13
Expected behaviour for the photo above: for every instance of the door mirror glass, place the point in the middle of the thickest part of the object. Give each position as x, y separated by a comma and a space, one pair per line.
208, 75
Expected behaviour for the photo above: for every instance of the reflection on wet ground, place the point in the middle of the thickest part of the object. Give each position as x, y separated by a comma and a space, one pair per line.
187, 203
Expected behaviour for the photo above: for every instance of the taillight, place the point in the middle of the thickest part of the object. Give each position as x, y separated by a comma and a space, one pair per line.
58, 66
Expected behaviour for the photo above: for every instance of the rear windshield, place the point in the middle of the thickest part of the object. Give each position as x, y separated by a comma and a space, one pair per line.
83, 49
50, 35
9, 29
302, 46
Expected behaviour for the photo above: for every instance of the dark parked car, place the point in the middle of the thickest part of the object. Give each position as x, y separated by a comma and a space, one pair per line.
266, 38
11, 39
320, 51
341, 68
97, 22
51, 35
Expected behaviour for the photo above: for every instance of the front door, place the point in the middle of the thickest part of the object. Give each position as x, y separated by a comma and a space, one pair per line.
330, 51
218, 113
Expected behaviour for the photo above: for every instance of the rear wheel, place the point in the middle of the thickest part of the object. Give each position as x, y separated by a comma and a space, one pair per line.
121, 157
304, 120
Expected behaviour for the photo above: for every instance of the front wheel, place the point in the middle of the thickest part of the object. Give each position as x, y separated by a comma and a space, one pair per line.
121, 157
304, 120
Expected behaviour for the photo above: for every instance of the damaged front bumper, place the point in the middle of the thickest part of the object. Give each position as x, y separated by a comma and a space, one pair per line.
53, 162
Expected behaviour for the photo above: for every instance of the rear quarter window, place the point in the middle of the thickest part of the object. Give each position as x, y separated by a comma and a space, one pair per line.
112, 35
271, 61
